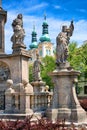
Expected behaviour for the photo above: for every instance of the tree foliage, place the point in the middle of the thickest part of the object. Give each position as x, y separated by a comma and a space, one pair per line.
78, 57
30, 72
49, 66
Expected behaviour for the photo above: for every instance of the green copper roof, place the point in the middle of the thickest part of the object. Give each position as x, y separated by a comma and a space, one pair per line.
45, 37
33, 45
45, 23
45, 34
34, 33
34, 39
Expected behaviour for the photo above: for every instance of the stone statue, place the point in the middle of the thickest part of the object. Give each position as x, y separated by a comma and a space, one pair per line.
19, 33
36, 69
62, 42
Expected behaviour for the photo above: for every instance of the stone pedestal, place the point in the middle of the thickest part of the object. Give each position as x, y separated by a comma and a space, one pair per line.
18, 48
39, 86
65, 104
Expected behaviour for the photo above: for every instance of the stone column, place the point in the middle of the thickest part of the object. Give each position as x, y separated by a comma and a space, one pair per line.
17, 105
3, 19
9, 108
25, 98
65, 104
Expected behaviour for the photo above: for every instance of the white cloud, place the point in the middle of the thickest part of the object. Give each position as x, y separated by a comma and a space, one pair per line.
36, 7
81, 10
79, 35
57, 7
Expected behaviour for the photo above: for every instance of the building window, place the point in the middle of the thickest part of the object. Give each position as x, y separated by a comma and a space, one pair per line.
40, 52
49, 52
85, 89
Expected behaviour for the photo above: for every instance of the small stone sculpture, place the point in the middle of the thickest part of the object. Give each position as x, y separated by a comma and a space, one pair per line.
62, 42
4, 73
36, 69
19, 33
27, 86
10, 86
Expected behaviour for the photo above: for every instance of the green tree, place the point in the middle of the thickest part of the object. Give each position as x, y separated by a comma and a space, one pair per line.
83, 52
78, 58
49, 66
73, 58
30, 72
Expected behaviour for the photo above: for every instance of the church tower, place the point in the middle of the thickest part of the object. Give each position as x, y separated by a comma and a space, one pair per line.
45, 34
3, 19
45, 47
34, 39
33, 46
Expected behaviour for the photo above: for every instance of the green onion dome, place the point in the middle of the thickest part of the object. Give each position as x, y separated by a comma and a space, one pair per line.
34, 39
45, 34
45, 37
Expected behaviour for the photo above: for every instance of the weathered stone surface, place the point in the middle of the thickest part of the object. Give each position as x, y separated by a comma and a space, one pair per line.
3, 18
36, 69
39, 86
9, 103
62, 41
17, 65
65, 104
18, 30
28, 88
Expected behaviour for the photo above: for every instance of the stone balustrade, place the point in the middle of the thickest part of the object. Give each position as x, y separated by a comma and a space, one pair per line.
40, 101
25, 101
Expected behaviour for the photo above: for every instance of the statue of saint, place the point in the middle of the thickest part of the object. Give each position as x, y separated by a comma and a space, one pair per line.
62, 42
19, 33
36, 69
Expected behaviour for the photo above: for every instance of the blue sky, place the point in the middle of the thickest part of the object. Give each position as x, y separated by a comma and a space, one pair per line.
59, 12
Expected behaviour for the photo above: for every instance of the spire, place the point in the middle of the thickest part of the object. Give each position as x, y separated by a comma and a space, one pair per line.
33, 26
45, 16
34, 34
45, 25
45, 34
34, 38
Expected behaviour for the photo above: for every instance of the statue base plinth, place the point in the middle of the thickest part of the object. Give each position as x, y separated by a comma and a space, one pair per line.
38, 86
65, 104
64, 66
77, 115
18, 48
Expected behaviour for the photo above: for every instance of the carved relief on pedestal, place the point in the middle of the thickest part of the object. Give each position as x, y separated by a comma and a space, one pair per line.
4, 72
